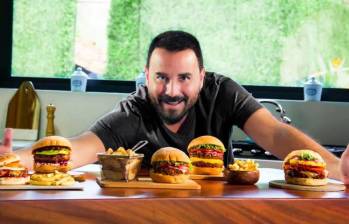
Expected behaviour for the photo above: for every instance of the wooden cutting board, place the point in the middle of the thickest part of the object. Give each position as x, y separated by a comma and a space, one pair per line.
207, 177
327, 187
146, 182
76, 186
23, 113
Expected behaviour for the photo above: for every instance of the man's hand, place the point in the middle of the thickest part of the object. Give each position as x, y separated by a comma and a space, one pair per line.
344, 165
6, 145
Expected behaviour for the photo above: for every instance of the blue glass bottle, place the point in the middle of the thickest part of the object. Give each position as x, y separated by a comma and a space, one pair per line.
312, 89
78, 81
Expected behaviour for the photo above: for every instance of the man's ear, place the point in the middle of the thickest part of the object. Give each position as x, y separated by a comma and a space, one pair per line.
202, 77
146, 72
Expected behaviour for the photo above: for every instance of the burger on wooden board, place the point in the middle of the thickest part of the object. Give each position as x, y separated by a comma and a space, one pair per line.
52, 154
305, 167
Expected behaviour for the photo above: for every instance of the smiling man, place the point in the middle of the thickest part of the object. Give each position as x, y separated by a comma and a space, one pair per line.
182, 101
174, 81
179, 102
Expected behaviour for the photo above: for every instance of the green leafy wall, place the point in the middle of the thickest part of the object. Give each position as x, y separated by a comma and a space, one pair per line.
43, 40
123, 40
256, 42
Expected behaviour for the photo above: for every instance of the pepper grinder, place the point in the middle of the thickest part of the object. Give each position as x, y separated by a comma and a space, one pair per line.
50, 128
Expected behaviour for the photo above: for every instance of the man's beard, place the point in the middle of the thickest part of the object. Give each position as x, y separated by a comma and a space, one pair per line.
172, 116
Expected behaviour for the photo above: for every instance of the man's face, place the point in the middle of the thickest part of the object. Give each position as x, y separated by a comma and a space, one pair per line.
174, 81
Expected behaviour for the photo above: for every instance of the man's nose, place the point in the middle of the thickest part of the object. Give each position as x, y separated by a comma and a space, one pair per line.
172, 88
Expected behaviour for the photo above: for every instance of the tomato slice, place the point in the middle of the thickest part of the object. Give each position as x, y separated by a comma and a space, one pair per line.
316, 169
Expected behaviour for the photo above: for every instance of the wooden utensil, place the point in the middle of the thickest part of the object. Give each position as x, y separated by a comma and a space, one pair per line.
23, 113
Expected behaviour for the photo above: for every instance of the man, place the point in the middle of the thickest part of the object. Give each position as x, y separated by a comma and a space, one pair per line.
181, 101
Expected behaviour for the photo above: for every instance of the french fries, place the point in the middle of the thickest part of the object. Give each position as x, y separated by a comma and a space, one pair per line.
52, 179
243, 165
120, 152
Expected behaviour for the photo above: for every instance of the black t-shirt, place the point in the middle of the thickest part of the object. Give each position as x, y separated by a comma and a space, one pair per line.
222, 103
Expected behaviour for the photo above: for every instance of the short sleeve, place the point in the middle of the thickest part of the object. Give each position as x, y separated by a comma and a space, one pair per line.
115, 129
240, 103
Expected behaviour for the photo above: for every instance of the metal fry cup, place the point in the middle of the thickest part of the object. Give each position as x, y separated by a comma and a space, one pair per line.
119, 167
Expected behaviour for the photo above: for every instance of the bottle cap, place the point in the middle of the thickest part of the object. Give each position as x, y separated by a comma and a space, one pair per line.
312, 80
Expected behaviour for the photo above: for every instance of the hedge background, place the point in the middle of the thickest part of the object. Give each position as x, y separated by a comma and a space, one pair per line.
259, 42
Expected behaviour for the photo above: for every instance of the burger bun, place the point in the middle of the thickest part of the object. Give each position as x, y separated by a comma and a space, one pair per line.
170, 154
306, 181
161, 178
14, 180
205, 139
206, 170
8, 158
51, 141
52, 167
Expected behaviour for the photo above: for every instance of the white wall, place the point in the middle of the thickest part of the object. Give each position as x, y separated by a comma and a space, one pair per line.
328, 122
75, 112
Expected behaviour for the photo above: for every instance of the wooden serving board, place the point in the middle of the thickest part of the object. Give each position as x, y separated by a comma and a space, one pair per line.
206, 177
327, 187
146, 182
76, 186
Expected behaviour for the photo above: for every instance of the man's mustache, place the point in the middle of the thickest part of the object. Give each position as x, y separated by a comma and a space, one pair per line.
170, 99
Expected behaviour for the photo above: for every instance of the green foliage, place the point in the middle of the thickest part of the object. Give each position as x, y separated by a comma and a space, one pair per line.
251, 41
43, 38
255, 42
123, 40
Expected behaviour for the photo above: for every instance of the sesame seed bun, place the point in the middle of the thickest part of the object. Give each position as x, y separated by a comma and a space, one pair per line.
206, 139
8, 158
170, 154
298, 153
51, 141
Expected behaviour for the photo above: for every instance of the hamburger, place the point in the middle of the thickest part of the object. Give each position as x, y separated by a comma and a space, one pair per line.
206, 155
52, 154
305, 167
169, 165
11, 171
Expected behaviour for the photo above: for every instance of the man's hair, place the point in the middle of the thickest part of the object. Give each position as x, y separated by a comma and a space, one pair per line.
176, 41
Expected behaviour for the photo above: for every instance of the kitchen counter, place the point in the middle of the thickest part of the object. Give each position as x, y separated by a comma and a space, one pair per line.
216, 202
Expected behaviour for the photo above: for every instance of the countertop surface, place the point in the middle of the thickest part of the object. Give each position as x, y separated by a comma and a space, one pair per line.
209, 189
216, 202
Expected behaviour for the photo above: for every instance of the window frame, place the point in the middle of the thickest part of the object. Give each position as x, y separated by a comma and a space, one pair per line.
7, 81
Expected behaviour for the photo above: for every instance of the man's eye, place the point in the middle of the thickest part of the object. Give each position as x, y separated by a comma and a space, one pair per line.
160, 77
183, 78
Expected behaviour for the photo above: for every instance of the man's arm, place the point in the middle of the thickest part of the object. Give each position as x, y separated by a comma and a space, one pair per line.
280, 139
85, 147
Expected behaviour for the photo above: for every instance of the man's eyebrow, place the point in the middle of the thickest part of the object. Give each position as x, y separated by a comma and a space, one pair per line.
185, 74
161, 73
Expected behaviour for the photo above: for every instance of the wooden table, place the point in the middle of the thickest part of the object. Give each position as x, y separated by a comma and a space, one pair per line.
216, 202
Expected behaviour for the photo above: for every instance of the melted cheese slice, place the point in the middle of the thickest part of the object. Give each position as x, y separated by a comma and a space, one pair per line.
11, 168
309, 174
306, 163
214, 161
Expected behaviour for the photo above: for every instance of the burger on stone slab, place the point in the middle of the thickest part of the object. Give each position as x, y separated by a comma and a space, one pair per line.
206, 155
11, 171
305, 167
52, 154
169, 165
